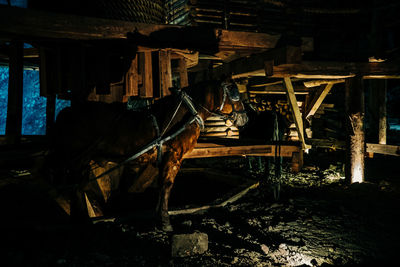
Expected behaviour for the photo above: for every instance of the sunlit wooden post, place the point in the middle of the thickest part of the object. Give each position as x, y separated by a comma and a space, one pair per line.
15, 93
355, 142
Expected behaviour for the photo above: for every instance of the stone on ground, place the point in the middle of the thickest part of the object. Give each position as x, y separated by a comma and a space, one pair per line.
184, 245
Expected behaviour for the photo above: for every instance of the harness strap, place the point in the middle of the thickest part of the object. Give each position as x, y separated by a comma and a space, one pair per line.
160, 140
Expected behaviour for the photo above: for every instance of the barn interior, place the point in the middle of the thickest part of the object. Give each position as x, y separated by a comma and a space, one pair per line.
310, 180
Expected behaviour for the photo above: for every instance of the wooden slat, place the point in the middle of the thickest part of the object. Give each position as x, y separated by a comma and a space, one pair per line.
383, 149
183, 72
165, 72
131, 79
252, 150
295, 111
317, 100
146, 71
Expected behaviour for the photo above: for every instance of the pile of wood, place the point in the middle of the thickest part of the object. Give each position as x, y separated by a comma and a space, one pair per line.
219, 127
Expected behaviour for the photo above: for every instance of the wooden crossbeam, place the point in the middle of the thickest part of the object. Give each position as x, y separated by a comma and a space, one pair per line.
35, 24
383, 149
295, 111
215, 150
318, 99
337, 70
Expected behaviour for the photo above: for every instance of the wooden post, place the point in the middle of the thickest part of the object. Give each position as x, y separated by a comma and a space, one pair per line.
355, 137
50, 112
382, 99
295, 111
15, 93
297, 161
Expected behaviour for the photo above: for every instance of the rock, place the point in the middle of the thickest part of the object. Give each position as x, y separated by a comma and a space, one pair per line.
189, 244
265, 249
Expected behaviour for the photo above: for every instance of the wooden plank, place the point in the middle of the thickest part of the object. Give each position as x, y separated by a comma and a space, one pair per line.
317, 100
165, 72
316, 83
146, 71
295, 111
15, 93
131, 79
183, 74
337, 70
250, 150
36, 24
254, 65
383, 149
280, 89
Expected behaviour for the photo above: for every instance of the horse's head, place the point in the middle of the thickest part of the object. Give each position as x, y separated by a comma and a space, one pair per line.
230, 104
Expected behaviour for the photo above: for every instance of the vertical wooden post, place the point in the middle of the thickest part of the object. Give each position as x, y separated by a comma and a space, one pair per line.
50, 112
355, 142
297, 161
382, 99
15, 93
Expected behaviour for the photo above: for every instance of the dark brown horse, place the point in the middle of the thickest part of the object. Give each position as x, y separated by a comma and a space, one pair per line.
104, 147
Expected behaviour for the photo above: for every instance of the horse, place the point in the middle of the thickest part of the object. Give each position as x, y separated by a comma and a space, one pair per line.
135, 149
267, 126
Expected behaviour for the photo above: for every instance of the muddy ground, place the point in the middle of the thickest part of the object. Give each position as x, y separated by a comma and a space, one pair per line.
319, 220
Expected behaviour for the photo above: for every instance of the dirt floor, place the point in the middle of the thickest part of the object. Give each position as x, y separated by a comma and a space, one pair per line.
318, 220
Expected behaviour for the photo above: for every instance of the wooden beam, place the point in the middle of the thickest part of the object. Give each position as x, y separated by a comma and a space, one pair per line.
15, 93
280, 89
35, 24
317, 100
295, 111
337, 70
383, 149
355, 143
165, 72
316, 83
215, 150
254, 65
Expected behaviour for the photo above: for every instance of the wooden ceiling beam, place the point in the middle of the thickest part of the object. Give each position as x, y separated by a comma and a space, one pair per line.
336, 70
30, 24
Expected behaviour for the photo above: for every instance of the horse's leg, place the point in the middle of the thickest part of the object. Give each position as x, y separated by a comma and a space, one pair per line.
168, 171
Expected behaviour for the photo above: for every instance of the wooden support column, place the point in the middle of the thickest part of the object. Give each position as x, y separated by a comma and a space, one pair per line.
295, 111
382, 114
355, 142
318, 99
50, 112
15, 93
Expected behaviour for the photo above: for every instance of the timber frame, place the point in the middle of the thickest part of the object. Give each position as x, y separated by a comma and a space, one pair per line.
243, 55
